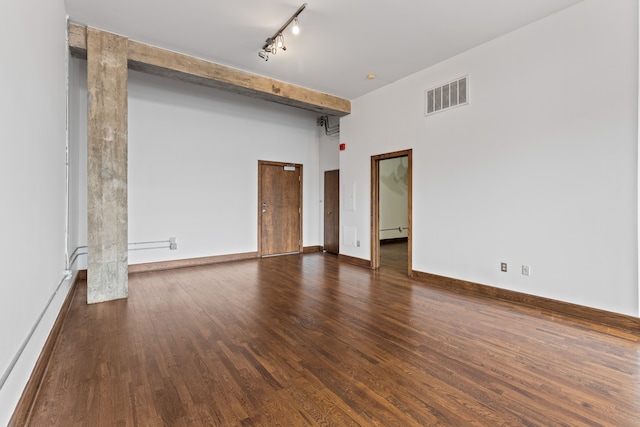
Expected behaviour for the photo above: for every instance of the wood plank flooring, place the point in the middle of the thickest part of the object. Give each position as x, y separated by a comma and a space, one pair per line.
305, 340
394, 257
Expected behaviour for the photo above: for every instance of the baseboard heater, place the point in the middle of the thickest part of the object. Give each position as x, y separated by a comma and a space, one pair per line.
398, 229
170, 244
15, 359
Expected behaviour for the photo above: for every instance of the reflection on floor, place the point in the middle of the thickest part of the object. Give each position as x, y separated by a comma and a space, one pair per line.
394, 256
308, 340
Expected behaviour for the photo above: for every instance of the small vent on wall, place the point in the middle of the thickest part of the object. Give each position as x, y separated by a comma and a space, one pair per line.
447, 96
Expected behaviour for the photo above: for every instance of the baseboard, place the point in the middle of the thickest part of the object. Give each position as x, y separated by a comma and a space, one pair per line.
602, 317
394, 240
25, 405
194, 262
355, 261
189, 262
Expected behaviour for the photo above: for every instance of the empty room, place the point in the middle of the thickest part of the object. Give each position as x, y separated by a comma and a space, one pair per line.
331, 213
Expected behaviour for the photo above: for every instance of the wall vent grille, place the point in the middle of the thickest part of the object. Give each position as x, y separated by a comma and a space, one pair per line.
447, 96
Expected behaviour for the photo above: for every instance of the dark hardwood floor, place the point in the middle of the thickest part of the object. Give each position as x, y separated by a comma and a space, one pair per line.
394, 256
306, 340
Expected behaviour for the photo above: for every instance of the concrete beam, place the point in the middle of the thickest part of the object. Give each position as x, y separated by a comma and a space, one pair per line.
162, 62
107, 134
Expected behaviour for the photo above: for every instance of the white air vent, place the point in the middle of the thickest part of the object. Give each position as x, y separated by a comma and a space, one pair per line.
444, 97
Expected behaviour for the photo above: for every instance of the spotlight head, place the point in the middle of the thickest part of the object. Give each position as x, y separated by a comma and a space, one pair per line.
264, 55
296, 26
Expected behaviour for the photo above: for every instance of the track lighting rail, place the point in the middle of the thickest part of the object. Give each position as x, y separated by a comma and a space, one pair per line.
277, 40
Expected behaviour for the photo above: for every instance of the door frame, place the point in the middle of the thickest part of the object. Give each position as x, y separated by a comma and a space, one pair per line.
375, 206
259, 204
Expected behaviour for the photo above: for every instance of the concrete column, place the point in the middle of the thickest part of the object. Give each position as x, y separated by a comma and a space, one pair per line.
107, 268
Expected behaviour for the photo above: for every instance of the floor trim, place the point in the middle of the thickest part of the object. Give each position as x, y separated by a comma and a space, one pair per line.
355, 261
602, 317
24, 407
189, 262
394, 240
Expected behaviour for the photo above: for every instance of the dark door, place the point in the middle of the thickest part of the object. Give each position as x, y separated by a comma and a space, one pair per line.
279, 208
332, 211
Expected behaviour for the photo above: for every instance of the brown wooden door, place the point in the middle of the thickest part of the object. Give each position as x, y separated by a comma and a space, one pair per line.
332, 211
279, 208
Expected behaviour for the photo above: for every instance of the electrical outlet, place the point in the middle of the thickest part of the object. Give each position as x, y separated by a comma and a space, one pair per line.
525, 270
358, 243
503, 267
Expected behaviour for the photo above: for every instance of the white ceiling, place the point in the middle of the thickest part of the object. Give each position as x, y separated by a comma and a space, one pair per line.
340, 42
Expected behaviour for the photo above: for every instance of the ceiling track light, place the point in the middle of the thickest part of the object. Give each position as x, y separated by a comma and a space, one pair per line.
296, 26
275, 42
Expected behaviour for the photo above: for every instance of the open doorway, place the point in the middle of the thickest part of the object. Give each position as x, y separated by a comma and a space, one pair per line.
391, 193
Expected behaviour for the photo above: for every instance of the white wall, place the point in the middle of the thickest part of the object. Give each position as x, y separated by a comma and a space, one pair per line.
32, 184
193, 165
540, 169
78, 162
329, 160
